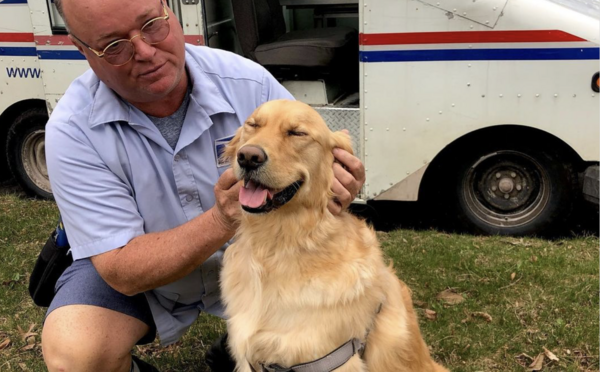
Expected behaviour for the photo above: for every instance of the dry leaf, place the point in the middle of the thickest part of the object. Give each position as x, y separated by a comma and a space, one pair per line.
449, 296
550, 355
27, 347
467, 318
524, 359
26, 335
420, 304
512, 276
404, 240
486, 316
537, 364
519, 242
4, 344
534, 258
430, 314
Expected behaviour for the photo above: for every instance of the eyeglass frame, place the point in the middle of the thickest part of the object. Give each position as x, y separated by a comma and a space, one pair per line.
100, 54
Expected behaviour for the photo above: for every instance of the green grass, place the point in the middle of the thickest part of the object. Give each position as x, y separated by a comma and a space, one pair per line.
551, 301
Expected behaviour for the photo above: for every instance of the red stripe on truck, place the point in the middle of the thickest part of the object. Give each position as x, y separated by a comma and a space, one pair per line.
460, 37
16, 37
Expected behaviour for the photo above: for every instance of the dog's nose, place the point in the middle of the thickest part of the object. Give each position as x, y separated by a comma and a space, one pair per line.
251, 157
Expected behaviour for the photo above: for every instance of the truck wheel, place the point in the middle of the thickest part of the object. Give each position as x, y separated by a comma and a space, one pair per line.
516, 191
25, 150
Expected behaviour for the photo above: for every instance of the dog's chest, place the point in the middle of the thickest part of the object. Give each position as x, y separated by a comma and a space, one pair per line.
277, 311
252, 281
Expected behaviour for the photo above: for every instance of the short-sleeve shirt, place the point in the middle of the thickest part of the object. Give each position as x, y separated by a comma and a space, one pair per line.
115, 177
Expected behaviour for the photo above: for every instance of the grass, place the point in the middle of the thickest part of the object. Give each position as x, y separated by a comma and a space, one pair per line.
515, 297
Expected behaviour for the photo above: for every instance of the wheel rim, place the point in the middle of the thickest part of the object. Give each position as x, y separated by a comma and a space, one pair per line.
506, 189
33, 156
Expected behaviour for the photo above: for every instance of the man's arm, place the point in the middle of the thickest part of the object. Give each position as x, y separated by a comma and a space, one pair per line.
155, 259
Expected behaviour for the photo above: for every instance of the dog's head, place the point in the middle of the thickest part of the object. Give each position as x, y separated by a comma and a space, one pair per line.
283, 153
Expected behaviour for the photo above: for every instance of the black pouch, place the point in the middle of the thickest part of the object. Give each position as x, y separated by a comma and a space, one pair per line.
51, 263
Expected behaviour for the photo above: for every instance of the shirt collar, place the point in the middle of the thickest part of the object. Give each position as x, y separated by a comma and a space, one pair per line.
205, 93
108, 107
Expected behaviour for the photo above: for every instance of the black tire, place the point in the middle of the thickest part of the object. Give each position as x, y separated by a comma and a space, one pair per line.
25, 150
512, 190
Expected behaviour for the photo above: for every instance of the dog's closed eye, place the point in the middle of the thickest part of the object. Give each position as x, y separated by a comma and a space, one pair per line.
293, 132
252, 123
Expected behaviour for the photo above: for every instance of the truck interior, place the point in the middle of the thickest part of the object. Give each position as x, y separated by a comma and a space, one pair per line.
310, 46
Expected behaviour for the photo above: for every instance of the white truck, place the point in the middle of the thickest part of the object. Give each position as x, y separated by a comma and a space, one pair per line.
489, 108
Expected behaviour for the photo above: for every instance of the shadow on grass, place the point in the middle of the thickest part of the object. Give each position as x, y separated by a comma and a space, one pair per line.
391, 215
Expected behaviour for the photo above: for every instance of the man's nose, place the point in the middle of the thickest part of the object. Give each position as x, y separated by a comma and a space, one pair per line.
143, 50
251, 157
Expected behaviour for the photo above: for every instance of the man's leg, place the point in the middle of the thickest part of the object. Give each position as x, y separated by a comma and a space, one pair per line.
90, 326
90, 338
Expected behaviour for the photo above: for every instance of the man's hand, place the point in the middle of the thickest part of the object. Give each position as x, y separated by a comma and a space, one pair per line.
227, 209
348, 180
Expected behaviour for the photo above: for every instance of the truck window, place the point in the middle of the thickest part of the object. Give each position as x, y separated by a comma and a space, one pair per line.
56, 21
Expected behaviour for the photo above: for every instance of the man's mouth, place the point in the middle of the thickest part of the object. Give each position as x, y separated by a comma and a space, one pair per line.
257, 198
151, 70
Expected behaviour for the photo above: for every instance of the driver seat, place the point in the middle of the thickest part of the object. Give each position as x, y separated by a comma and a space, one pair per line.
261, 32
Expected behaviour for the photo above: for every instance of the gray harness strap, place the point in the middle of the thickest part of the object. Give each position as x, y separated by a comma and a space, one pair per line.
328, 363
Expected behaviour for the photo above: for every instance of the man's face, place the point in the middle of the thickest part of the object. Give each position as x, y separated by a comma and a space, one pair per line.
154, 71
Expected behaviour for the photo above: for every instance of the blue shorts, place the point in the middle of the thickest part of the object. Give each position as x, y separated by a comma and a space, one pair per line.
81, 284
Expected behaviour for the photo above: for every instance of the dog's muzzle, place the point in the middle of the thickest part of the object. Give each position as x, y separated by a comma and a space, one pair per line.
255, 198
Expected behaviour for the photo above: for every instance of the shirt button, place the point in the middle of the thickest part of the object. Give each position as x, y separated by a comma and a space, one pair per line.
177, 158
189, 198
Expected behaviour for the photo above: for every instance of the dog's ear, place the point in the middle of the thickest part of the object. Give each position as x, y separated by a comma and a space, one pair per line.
232, 147
342, 140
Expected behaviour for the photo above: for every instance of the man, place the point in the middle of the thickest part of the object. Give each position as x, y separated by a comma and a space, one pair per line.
132, 153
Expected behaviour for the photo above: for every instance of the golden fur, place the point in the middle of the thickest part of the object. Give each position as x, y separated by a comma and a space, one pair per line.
299, 282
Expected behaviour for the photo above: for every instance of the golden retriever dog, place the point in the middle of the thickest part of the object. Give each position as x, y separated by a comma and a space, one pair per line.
298, 282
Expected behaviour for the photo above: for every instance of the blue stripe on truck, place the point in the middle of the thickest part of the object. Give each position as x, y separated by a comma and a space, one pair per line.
530, 54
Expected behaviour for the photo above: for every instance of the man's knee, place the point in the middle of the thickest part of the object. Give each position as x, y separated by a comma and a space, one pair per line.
88, 338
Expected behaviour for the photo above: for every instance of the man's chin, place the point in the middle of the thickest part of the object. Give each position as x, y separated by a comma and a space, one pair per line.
158, 90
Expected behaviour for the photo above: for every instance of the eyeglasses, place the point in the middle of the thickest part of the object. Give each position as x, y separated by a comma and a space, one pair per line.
121, 51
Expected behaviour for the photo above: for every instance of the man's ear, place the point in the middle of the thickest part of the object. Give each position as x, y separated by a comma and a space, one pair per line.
77, 44
232, 147
342, 140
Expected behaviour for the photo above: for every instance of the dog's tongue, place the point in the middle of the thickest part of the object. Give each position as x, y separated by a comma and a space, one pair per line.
253, 195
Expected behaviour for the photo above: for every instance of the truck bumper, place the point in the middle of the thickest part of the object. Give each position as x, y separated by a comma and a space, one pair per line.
591, 180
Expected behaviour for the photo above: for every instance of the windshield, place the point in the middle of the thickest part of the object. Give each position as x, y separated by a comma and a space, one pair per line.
589, 7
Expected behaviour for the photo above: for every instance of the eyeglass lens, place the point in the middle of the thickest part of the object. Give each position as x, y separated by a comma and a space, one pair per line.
122, 51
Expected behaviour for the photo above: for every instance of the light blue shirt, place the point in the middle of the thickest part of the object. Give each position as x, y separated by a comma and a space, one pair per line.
114, 176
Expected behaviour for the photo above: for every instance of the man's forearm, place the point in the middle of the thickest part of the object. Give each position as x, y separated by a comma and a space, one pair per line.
155, 259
